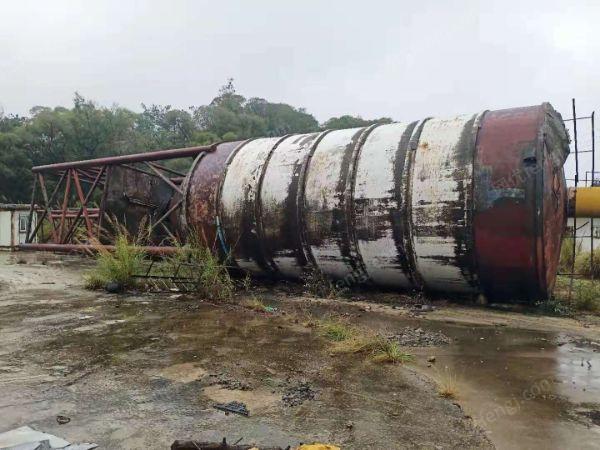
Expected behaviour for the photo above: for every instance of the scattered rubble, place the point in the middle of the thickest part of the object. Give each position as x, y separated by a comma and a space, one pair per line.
298, 394
62, 420
418, 337
229, 383
233, 407
593, 416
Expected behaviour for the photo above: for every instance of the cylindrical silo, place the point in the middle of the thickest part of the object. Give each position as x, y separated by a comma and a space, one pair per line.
471, 204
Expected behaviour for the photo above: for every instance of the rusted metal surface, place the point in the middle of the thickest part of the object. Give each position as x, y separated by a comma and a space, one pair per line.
471, 204
126, 159
200, 191
134, 189
86, 248
134, 197
520, 201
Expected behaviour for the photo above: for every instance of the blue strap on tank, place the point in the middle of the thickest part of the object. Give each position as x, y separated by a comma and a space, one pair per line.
221, 237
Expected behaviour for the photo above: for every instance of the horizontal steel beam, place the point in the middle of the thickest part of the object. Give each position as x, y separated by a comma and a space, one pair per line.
86, 248
127, 159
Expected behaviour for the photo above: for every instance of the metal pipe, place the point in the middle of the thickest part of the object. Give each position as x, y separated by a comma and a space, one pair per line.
127, 159
593, 170
576, 181
86, 248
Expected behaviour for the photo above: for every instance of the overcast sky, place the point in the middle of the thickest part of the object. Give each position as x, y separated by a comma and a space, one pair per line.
403, 59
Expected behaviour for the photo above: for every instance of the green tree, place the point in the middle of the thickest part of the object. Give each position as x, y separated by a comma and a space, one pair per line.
339, 123
87, 130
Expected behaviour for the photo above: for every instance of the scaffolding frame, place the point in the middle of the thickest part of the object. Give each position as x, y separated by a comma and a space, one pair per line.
591, 180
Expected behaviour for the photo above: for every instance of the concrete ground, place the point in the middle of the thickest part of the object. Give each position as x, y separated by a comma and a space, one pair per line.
139, 371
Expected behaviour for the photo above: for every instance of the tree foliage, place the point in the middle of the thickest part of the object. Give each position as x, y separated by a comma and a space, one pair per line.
88, 130
339, 123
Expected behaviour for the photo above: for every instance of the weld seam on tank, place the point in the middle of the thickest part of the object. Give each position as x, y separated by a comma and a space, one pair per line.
326, 182
227, 256
398, 214
301, 206
466, 259
359, 271
266, 260
440, 186
407, 181
475, 137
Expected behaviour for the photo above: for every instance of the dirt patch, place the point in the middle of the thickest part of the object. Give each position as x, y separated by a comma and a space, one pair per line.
182, 373
134, 371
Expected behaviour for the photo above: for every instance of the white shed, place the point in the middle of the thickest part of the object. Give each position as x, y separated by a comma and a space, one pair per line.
13, 224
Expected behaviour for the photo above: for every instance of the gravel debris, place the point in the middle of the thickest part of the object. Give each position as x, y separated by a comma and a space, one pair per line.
298, 394
418, 337
229, 383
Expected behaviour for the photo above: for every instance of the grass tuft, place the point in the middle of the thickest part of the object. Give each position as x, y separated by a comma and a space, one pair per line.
586, 296
387, 351
358, 342
255, 304
584, 266
447, 382
119, 266
335, 330
349, 339
565, 264
201, 267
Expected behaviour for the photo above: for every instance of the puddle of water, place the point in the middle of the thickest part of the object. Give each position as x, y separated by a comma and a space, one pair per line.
528, 389
523, 386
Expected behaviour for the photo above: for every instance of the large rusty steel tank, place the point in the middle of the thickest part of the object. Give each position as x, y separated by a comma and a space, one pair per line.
474, 204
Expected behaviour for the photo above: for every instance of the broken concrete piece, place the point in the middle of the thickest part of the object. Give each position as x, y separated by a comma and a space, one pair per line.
26, 438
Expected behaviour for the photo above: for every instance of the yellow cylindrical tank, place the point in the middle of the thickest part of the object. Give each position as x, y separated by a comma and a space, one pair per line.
587, 202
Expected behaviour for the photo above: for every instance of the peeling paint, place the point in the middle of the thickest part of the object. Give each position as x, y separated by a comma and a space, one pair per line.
469, 204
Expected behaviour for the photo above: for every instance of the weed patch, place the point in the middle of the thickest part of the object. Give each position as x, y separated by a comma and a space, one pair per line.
318, 284
119, 266
387, 351
585, 296
447, 384
584, 266
336, 330
255, 304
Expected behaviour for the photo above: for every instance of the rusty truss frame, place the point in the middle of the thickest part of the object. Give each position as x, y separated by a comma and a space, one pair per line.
75, 209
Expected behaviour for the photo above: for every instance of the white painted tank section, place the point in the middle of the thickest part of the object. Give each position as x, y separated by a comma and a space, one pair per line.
238, 195
437, 211
324, 201
278, 190
374, 200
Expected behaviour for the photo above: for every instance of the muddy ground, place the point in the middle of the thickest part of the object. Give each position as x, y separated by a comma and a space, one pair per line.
141, 370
